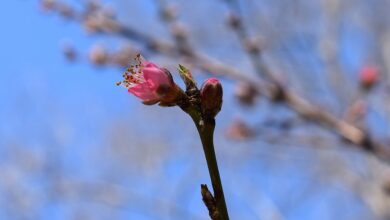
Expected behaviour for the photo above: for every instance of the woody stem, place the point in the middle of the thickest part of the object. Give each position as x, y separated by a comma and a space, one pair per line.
206, 133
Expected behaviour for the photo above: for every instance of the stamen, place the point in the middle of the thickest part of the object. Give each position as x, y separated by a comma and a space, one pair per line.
134, 74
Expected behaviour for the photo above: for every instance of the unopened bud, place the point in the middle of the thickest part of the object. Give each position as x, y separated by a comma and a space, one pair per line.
98, 55
69, 52
48, 5
66, 11
246, 93
211, 97
234, 21
252, 45
239, 130
179, 30
169, 13
368, 77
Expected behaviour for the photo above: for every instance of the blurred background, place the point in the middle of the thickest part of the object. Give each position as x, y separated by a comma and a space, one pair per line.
303, 133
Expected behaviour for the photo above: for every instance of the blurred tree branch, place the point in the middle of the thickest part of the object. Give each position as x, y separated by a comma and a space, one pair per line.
268, 86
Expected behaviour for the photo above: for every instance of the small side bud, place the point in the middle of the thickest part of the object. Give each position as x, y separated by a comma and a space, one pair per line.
98, 55
246, 93
169, 13
185, 73
368, 77
187, 77
252, 45
234, 21
48, 5
211, 97
209, 201
239, 130
69, 52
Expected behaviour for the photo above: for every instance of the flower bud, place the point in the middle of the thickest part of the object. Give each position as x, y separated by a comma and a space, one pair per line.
368, 77
239, 130
246, 93
48, 5
211, 97
98, 55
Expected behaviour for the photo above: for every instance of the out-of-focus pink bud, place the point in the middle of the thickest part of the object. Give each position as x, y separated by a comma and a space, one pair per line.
239, 130
150, 83
48, 5
69, 52
368, 76
211, 97
98, 55
246, 93
66, 11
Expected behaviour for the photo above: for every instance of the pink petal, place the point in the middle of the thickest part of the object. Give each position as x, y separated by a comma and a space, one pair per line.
156, 77
149, 64
143, 92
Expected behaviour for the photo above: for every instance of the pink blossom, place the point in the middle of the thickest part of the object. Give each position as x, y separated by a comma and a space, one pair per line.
148, 82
